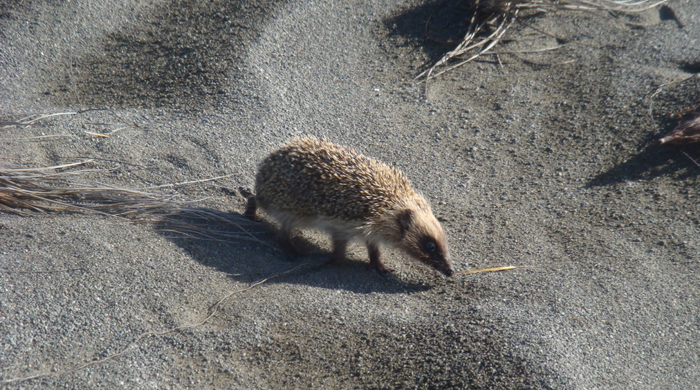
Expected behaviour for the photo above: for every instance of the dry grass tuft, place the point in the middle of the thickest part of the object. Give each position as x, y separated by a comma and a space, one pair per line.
491, 19
49, 189
687, 132
52, 190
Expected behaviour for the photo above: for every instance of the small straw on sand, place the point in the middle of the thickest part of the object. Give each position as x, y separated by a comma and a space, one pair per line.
493, 269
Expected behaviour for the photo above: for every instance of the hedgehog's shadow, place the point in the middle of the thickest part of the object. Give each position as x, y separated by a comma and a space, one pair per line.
246, 250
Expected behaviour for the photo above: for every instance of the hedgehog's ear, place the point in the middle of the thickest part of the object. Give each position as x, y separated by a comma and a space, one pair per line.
405, 219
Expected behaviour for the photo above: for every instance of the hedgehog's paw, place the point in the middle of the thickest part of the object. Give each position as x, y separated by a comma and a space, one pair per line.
381, 268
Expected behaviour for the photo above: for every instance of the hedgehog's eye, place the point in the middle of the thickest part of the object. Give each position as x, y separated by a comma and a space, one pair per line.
430, 246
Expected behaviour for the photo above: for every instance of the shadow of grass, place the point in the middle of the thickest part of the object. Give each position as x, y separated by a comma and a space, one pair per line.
679, 162
652, 162
440, 26
437, 26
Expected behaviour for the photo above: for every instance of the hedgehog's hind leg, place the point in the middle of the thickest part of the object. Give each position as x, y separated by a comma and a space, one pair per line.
375, 262
340, 245
285, 238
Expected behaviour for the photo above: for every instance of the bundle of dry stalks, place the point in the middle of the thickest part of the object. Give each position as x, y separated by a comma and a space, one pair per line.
50, 190
687, 132
490, 20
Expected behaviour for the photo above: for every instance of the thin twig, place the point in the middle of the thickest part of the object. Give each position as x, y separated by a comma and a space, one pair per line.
527, 60
525, 51
42, 272
661, 87
24, 121
493, 43
651, 98
52, 168
39, 137
119, 129
493, 269
188, 182
691, 159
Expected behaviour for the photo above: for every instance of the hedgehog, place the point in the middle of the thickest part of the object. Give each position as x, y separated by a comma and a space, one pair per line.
313, 183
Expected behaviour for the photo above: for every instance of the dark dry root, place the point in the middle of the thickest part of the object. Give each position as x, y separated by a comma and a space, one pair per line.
375, 262
251, 208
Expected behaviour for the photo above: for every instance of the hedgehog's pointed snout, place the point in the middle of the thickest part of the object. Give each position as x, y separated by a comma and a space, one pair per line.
448, 269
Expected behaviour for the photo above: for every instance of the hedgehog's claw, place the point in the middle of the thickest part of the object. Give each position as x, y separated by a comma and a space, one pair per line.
382, 269
375, 262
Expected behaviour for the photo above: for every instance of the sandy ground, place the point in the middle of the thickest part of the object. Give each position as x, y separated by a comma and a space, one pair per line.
548, 167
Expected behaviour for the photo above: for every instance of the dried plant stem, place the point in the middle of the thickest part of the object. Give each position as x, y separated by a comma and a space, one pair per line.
27, 121
39, 137
493, 269
504, 13
188, 182
524, 51
691, 159
42, 272
31, 119
491, 43
51, 168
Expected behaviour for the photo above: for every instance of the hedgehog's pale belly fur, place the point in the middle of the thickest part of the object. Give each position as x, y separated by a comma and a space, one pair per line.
312, 183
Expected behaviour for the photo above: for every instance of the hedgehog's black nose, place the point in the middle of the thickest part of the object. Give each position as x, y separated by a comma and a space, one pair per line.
448, 271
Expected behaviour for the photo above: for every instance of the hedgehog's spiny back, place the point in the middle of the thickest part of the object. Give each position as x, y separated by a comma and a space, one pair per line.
314, 177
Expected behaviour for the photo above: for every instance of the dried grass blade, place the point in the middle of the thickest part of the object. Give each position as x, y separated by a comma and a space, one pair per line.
494, 269
47, 168
25, 121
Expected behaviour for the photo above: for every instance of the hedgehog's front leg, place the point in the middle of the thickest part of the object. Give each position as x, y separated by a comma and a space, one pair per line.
375, 262
285, 240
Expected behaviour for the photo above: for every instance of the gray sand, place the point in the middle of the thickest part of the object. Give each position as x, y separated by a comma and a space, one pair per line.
549, 167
